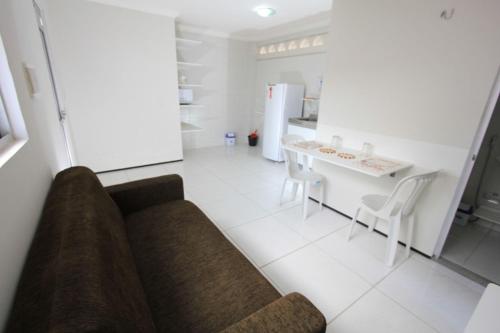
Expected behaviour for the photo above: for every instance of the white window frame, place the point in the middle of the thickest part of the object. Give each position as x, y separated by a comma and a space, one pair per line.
18, 136
4, 122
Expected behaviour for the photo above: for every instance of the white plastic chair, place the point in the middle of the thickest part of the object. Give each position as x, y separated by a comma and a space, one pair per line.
394, 208
300, 175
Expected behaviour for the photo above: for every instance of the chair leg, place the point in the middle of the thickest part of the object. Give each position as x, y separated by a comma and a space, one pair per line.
321, 195
392, 241
305, 199
373, 224
409, 234
283, 187
353, 223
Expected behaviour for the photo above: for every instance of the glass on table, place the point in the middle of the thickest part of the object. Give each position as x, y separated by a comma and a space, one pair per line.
367, 149
336, 142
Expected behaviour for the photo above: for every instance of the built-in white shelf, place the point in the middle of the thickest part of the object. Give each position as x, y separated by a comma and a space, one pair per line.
186, 41
190, 85
189, 128
191, 106
188, 64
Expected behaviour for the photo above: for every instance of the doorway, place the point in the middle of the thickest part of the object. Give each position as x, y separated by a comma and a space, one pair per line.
473, 242
60, 110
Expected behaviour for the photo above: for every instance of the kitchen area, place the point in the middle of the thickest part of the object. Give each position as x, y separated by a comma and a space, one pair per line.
301, 66
305, 126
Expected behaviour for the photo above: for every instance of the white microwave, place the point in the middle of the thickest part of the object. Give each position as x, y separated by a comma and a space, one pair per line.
186, 96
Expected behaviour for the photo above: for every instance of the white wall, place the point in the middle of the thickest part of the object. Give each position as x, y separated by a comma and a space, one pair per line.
25, 179
306, 70
228, 78
412, 84
117, 71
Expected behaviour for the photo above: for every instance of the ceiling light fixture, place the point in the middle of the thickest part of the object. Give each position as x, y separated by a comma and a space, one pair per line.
264, 11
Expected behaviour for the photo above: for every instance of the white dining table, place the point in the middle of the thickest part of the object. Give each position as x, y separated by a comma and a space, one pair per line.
355, 160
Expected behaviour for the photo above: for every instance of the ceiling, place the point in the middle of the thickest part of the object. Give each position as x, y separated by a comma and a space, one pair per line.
230, 17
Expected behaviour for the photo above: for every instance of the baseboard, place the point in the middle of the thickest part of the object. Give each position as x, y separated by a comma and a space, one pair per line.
366, 226
138, 166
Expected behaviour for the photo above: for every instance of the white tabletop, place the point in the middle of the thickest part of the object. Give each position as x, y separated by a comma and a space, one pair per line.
374, 165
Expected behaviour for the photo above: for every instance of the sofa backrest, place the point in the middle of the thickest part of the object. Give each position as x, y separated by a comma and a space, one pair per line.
80, 275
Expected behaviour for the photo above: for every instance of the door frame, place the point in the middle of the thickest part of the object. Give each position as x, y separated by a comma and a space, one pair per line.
469, 165
61, 112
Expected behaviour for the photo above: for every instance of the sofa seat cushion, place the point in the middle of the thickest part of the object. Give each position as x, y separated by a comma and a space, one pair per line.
195, 280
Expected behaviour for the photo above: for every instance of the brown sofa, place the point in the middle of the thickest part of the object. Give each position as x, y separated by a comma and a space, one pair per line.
138, 258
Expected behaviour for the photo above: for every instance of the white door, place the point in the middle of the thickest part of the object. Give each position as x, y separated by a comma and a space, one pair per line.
61, 114
118, 73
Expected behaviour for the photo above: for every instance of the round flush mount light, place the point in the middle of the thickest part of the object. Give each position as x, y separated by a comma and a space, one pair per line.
264, 11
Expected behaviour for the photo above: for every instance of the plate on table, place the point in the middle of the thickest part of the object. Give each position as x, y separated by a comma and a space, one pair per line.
307, 145
327, 150
378, 164
346, 156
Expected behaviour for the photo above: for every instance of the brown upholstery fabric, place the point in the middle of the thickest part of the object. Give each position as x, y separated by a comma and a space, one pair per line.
292, 314
80, 275
195, 280
182, 275
135, 196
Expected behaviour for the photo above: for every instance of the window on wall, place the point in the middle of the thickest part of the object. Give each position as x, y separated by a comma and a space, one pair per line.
4, 121
298, 46
13, 133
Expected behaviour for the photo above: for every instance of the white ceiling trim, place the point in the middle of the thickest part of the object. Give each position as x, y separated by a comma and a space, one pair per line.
183, 27
141, 7
317, 24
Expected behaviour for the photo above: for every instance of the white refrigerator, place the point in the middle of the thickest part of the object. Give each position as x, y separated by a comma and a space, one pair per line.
283, 101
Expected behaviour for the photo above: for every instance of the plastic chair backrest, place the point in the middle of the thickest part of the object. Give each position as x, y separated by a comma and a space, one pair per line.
291, 157
406, 194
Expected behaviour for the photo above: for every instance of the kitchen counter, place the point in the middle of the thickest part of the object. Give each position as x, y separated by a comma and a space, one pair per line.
303, 122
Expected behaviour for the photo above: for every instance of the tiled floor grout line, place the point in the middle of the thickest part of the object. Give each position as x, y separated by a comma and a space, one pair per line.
268, 214
247, 256
350, 305
309, 242
477, 246
285, 255
234, 188
453, 275
344, 265
375, 287
247, 222
404, 307
372, 285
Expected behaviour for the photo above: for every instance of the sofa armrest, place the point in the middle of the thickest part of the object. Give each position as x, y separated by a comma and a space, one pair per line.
135, 196
292, 314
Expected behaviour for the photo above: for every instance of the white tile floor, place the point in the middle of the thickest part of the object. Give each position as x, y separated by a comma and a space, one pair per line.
348, 282
476, 247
